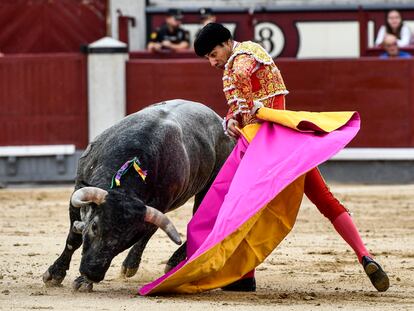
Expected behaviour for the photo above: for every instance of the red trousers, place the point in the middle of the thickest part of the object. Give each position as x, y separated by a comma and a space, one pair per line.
315, 187
318, 192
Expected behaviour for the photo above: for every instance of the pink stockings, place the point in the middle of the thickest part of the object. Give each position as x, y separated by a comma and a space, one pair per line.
318, 192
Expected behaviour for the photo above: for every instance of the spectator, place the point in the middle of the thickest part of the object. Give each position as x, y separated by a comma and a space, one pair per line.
207, 16
170, 36
391, 48
394, 26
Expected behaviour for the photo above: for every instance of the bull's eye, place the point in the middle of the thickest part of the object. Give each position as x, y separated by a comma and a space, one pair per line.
94, 227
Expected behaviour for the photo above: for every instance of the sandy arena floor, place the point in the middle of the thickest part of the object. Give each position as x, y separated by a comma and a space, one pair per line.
312, 269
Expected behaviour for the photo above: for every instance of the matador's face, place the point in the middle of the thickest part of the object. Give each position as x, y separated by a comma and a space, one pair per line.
220, 54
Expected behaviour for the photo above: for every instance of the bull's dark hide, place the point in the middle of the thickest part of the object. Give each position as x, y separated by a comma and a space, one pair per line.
180, 144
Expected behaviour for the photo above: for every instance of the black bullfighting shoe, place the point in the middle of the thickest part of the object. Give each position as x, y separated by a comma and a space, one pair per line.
375, 273
242, 285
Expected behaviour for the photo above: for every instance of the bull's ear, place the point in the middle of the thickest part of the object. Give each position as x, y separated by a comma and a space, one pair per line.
157, 218
87, 195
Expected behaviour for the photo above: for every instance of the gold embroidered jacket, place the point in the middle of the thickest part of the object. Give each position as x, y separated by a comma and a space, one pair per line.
250, 81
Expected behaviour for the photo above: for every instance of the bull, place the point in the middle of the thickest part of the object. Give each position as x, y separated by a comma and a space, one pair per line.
181, 145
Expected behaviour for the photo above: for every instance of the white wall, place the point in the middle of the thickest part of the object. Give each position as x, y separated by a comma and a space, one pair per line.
106, 86
135, 8
328, 39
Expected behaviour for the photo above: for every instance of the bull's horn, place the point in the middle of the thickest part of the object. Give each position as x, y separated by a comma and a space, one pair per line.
86, 195
157, 218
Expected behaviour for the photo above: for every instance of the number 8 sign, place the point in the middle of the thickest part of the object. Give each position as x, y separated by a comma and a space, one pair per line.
271, 37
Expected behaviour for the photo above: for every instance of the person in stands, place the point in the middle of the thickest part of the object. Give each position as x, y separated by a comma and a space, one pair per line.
390, 45
394, 25
207, 16
170, 36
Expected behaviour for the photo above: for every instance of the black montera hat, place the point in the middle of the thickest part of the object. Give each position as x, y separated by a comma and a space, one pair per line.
209, 37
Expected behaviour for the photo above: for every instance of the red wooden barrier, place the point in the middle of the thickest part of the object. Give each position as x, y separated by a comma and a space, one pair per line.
381, 90
43, 100
151, 81
45, 26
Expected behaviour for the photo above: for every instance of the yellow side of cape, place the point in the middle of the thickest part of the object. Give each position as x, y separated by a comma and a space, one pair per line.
248, 246
306, 121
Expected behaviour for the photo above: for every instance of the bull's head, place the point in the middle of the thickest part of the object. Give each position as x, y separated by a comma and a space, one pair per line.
115, 222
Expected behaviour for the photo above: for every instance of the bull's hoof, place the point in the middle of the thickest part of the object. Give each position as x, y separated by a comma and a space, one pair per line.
82, 284
52, 280
128, 272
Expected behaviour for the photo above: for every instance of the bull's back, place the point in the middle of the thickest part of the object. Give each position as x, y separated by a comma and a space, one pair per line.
193, 119
198, 132
180, 143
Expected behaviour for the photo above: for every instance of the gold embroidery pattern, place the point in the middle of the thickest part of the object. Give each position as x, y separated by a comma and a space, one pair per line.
239, 75
253, 49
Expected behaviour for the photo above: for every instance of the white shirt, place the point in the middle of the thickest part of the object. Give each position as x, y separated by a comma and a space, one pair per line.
405, 36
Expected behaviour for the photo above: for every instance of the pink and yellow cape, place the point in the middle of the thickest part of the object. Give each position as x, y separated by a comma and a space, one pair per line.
253, 202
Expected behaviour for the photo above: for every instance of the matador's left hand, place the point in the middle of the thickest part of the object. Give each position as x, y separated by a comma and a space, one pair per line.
233, 128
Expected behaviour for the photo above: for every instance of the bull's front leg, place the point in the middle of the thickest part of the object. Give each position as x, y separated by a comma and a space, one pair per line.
179, 255
55, 274
131, 263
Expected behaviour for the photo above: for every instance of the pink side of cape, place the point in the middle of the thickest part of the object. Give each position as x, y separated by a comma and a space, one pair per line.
251, 177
